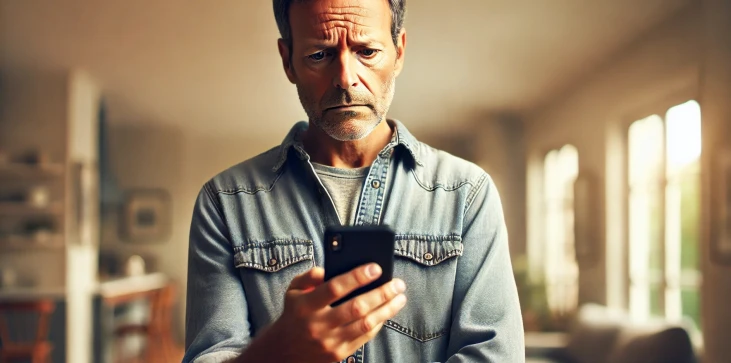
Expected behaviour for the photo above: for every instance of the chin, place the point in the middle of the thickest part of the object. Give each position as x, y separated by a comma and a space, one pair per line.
350, 128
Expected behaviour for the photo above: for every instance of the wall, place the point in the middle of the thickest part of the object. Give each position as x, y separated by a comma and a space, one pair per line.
658, 71
715, 93
500, 148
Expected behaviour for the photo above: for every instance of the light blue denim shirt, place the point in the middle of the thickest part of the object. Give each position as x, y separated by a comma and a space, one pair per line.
260, 223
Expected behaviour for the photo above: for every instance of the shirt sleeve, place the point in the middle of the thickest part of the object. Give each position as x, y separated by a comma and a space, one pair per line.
216, 323
487, 322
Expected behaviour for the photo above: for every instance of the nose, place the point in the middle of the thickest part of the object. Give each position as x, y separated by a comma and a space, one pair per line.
345, 73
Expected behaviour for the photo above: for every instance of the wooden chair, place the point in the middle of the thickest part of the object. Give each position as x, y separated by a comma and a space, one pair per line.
157, 331
37, 350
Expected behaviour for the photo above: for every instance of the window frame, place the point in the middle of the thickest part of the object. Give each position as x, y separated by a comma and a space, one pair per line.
659, 106
565, 206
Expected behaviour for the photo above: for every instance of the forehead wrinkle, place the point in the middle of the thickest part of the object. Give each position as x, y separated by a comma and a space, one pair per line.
352, 19
355, 34
329, 25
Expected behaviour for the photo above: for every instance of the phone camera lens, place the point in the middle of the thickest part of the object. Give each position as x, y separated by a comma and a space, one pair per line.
336, 242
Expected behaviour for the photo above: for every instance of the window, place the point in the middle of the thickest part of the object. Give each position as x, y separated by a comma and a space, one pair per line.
561, 270
664, 207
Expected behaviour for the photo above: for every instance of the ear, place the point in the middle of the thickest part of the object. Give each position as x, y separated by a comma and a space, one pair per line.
400, 51
285, 53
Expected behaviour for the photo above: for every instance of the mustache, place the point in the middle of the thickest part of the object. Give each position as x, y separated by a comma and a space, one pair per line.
339, 97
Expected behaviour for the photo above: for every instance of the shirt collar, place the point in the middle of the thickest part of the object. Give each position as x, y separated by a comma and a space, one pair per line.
293, 140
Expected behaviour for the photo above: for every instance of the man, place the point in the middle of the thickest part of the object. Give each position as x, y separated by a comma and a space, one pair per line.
255, 291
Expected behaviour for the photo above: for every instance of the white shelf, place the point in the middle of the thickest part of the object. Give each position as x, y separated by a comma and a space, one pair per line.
132, 284
23, 210
52, 242
21, 293
15, 171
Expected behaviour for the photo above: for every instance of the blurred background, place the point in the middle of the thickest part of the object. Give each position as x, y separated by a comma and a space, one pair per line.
604, 123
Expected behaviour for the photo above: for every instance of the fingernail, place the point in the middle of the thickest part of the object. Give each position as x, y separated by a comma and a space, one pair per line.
373, 270
401, 300
398, 286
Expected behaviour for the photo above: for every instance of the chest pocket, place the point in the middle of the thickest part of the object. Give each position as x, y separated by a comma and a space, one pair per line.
427, 264
266, 270
273, 255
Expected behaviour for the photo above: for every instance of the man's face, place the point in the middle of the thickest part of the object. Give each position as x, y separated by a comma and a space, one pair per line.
344, 63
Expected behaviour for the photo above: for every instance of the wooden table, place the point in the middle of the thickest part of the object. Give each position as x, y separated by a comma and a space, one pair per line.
136, 294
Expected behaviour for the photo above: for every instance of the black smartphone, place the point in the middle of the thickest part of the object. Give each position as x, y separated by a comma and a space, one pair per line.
348, 247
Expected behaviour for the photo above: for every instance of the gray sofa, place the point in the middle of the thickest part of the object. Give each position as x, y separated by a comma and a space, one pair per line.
601, 335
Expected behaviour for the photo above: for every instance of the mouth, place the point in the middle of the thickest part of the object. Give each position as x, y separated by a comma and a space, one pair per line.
345, 107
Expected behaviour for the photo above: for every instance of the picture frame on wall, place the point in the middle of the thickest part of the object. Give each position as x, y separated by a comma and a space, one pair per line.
146, 216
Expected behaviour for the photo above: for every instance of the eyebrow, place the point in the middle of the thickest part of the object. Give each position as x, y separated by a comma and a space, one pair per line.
322, 44
320, 38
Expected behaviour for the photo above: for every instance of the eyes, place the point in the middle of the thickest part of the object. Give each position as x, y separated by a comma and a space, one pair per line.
367, 54
317, 56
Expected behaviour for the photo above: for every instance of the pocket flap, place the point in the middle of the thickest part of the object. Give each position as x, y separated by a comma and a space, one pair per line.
428, 250
273, 255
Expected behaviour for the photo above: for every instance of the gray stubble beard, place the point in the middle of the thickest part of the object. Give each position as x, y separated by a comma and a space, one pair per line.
341, 129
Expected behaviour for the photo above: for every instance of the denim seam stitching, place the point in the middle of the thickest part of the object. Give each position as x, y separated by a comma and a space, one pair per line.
217, 206
207, 188
455, 252
274, 242
276, 267
429, 238
249, 191
406, 331
473, 193
438, 186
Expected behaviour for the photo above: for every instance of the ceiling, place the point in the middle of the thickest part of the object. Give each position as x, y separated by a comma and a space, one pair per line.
212, 66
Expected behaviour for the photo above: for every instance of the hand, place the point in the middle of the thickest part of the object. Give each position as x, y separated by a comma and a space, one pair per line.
312, 331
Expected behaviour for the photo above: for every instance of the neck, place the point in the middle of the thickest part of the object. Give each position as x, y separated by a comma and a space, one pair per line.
325, 150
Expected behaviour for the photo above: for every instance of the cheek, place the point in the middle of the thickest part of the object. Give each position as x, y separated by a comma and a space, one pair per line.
384, 79
314, 89
312, 80
372, 80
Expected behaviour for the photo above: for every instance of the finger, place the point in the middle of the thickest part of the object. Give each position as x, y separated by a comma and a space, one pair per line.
360, 306
363, 339
342, 285
308, 280
365, 327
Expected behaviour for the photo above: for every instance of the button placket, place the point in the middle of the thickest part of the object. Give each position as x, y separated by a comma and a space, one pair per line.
379, 185
369, 208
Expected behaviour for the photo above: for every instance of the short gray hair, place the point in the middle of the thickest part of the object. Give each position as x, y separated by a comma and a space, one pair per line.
281, 14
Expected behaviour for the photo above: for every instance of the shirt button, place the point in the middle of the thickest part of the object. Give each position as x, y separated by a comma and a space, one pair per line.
376, 184
272, 262
351, 359
428, 256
